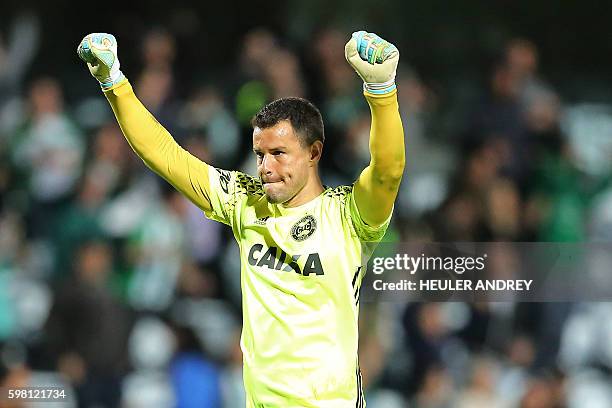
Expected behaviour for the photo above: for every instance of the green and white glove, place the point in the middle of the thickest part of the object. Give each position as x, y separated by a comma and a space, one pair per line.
374, 59
99, 51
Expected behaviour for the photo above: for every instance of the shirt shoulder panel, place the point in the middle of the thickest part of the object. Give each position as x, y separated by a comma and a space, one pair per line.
344, 195
228, 190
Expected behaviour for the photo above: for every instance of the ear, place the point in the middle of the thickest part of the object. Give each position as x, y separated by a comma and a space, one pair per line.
316, 150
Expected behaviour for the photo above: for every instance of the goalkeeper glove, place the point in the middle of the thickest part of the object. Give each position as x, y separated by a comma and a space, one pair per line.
99, 51
374, 59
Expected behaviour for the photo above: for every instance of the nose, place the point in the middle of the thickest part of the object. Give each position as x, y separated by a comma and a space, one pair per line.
266, 164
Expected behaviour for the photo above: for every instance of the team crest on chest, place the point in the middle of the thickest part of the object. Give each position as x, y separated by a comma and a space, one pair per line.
304, 228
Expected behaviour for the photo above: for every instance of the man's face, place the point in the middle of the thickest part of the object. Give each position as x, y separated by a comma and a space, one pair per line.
282, 162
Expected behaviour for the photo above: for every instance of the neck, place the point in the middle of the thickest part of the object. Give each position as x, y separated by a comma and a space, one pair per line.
311, 190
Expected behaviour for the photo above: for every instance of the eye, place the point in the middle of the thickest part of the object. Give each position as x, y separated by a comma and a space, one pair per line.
278, 153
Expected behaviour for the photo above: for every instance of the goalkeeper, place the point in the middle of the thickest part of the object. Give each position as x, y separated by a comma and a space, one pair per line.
303, 246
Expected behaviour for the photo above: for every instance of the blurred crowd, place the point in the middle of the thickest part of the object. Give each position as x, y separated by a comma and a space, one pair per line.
116, 287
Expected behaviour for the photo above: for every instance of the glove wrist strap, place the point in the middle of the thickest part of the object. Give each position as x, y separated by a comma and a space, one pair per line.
380, 88
114, 79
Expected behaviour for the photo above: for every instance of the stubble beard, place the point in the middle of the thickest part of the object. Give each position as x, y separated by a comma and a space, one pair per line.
275, 196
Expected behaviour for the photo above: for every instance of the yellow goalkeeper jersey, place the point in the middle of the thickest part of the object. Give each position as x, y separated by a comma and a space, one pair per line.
301, 266
301, 271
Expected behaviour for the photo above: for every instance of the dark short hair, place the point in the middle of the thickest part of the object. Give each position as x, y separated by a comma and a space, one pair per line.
304, 117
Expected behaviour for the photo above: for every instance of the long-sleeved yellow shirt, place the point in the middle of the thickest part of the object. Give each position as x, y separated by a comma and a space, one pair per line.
301, 266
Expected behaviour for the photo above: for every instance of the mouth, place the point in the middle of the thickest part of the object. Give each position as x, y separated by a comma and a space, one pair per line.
270, 182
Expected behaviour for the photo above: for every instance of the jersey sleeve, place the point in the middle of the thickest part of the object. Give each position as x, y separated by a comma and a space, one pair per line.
157, 148
365, 232
222, 195
228, 191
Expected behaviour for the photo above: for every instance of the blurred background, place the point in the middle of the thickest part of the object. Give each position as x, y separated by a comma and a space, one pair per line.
113, 285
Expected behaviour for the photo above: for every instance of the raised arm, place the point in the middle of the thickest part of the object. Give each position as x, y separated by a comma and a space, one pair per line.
150, 140
375, 60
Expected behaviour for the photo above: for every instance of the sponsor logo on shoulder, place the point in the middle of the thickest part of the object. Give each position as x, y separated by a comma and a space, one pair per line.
261, 221
224, 179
